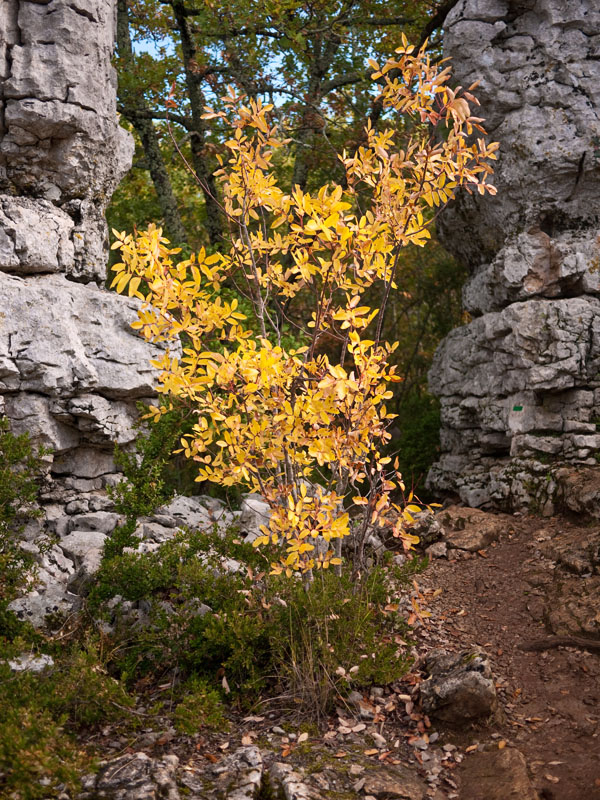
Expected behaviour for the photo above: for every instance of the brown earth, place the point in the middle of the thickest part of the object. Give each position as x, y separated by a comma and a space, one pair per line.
536, 586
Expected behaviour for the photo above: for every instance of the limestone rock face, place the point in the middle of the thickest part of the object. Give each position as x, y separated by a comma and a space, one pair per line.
62, 152
71, 367
520, 384
537, 62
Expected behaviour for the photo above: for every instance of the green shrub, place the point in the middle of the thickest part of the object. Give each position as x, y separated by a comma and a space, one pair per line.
36, 756
201, 707
262, 633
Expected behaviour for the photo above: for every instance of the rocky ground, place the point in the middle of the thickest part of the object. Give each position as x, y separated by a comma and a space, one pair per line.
509, 709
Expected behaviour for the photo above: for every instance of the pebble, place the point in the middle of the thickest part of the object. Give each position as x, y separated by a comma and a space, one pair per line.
420, 744
279, 731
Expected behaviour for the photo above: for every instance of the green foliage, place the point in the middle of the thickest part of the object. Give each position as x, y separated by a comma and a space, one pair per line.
41, 713
258, 632
418, 438
336, 636
151, 477
20, 468
201, 707
36, 756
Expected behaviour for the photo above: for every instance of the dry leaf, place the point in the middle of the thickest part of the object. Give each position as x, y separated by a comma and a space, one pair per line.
501, 744
302, 738
551, 778
372, 752
471, 748
340, 754
246, 740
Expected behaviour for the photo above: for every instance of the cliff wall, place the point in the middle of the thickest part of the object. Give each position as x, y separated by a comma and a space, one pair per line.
520, 384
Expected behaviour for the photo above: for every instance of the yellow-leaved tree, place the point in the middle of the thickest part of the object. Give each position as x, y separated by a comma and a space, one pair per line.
306, 427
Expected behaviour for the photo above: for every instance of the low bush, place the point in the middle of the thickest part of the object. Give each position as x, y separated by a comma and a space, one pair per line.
41, 715
248, 632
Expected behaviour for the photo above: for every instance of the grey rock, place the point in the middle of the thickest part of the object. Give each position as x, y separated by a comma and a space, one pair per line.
518, 385
59, 124
539, 96
197, 513
28, 662
427, 527
152, 531
240, 773
54, 600
133, 776
103, 521
460, 688
85, 548
291, 782
255, 512
437, 550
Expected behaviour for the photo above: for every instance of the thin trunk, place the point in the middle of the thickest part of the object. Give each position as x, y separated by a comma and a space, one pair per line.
147, 132
204, 174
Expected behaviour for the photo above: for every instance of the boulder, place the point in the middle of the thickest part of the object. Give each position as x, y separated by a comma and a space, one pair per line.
460, 687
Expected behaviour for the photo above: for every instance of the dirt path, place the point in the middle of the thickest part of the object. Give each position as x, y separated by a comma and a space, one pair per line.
537, 573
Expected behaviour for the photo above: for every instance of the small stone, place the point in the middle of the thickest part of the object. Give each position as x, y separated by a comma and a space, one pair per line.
437, 550
379, 740
27, 662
